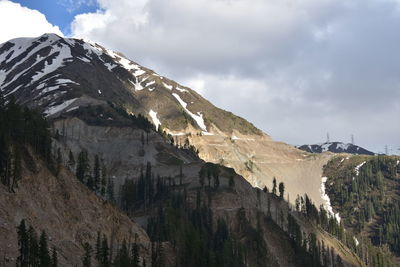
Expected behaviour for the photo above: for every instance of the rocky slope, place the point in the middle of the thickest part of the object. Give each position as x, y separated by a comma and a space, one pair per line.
58, 75
68, 212
336, 147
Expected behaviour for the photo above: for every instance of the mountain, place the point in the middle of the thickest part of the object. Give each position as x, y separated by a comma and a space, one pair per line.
58, 75
336, 147
184, 172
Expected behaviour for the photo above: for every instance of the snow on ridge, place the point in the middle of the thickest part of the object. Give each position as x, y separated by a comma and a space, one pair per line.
63, 81
168, 86
325, 147
149, 83
57, 62
55, 109
21, 48
153, 116
198, 118
357, 168
2, 76
110, 66
181, 89
137, 85
327, 201
342, 146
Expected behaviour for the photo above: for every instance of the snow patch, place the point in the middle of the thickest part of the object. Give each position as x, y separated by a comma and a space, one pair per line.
356, 241
99, 92
357, 168
58, 61
150, 83
198, 118
2, 76
110, 66
55, 109
84, 59
62, 81
327, 201
325, 147
168, 86
342, 146
181, 89
153, 116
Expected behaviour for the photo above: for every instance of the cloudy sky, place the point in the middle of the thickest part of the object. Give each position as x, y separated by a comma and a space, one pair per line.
297, 69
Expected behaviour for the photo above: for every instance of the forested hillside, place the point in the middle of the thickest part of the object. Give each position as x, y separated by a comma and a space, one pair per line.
366, 192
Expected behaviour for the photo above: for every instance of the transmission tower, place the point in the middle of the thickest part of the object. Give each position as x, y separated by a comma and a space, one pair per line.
352, 139
386, 150
327, 138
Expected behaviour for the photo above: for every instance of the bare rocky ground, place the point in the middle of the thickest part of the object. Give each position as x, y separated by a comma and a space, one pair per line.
259, 159
68, 212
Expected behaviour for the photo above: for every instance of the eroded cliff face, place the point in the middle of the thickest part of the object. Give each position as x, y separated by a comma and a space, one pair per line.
258, 158
69, 213
124, 150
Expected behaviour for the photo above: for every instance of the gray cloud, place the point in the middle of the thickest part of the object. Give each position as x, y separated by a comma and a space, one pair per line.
297, 69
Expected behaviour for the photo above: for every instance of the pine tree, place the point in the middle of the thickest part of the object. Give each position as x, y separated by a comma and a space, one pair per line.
103, 180
44, 256
33, 247
110, 189
281, 189
54, 258
96, 174
274, 186
104, 253
23, 244
87, 256
135, 255
82, 166
71, 160
17, 168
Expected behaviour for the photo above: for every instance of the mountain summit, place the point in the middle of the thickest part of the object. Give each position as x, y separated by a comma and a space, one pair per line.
55, 75
336, 147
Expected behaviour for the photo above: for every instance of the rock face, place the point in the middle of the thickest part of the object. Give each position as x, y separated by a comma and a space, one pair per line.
68, 212
336, 147
58, 75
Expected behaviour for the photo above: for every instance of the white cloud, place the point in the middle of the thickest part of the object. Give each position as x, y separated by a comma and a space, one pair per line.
18, 21
317, 65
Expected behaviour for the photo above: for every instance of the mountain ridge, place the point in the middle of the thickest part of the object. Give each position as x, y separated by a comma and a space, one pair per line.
336, 147
38, 73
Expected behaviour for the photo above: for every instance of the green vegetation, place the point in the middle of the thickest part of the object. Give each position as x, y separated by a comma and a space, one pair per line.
34, 252
365, 191
21, 128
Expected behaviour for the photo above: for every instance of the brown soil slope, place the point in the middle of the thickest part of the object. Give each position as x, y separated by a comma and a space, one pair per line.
68, 212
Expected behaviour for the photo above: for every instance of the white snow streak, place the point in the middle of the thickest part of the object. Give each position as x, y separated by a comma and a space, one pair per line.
181, 89
168, 86
198, 118
58, 61
153, 116
357, 168
2, 76
55, 109
327, 201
